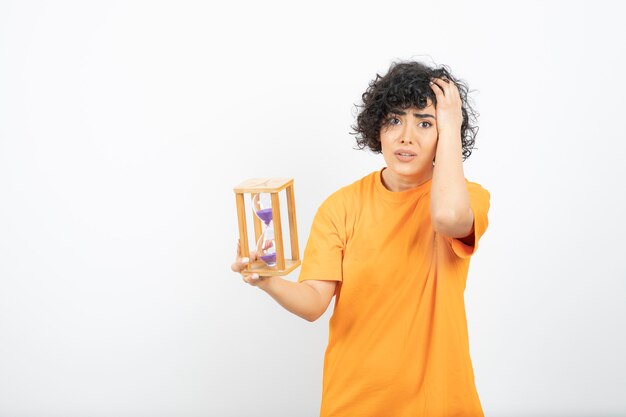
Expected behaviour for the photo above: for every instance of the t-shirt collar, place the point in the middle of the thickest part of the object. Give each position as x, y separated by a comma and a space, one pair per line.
399, 196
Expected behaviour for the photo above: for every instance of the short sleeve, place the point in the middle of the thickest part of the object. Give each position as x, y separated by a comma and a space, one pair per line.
479, 202
323, 255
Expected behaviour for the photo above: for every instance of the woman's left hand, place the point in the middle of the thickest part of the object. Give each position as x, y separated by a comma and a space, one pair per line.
449, 115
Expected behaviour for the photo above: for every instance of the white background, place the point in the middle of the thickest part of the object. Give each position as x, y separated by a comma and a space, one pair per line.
124, 127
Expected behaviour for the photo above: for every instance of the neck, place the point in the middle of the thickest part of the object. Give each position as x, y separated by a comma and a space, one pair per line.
394, 182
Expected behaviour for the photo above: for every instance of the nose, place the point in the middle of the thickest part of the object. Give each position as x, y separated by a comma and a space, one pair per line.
405, 136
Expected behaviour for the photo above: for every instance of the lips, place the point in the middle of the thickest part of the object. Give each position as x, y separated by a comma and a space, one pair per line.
405, 152
404, 155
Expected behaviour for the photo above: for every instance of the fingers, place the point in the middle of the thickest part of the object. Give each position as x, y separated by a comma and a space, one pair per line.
253, 279
250, 279
443, 87
438, 86
239, 264
253, 255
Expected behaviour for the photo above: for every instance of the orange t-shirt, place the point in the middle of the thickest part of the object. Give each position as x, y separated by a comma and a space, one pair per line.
398, 343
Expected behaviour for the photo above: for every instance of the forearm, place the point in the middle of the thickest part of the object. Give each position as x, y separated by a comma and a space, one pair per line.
449, 196
296, 297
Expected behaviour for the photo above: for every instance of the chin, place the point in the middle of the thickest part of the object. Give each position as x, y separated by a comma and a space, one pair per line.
407, 170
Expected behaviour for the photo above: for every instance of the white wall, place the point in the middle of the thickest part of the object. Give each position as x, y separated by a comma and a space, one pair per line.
125, 125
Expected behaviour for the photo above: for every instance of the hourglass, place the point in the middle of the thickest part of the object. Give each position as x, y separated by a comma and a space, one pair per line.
266, 244
264, 196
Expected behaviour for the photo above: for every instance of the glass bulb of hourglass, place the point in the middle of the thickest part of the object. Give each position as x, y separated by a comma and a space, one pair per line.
266, 246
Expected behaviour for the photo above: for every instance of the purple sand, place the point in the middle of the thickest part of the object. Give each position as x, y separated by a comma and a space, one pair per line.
265, 215
269, 259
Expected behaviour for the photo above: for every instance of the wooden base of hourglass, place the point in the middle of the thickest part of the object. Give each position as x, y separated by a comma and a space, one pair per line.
272, 186
261, 268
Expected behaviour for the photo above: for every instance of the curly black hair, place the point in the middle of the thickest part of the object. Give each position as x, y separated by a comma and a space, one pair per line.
405, 85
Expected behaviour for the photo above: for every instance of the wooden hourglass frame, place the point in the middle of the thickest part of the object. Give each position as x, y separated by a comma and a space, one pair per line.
271, 186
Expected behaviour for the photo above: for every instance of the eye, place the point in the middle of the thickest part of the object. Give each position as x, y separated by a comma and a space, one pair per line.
428, 123
390, 121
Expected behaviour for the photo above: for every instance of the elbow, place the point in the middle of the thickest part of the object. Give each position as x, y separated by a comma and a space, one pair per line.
311, 319
454, 224
443, 224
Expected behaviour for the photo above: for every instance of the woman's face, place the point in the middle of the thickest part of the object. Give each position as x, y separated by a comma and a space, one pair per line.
412, 131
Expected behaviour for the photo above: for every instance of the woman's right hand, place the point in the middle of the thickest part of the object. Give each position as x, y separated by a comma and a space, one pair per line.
240, 264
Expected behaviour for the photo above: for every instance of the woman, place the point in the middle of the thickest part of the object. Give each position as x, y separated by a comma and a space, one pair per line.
394, 247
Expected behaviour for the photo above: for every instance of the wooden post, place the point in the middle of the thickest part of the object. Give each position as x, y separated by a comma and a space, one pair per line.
293, 230
258, 229
278, 232
243, 229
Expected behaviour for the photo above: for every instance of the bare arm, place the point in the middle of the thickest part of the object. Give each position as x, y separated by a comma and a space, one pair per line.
307, 299
450, 209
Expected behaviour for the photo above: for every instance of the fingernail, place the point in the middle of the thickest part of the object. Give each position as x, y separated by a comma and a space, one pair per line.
255, 276
245, 260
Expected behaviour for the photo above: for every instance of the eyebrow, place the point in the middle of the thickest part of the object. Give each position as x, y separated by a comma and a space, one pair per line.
418, 115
